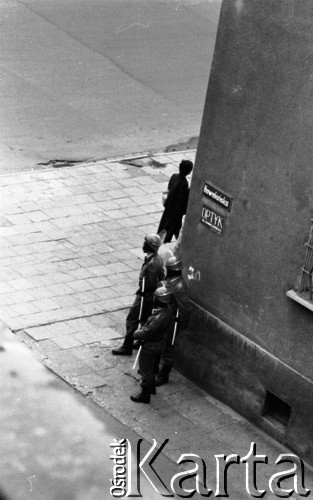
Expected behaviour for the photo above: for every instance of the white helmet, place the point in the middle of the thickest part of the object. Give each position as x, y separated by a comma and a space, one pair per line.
163, 294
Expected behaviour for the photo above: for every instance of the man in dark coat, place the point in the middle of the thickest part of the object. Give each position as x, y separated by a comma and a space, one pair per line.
151, 336
152, 272
175, 205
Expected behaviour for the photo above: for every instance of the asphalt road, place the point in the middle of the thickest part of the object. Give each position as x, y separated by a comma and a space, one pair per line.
94, 79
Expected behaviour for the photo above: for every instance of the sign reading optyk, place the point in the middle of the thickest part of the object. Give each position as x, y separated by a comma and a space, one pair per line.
213, 219
217, 196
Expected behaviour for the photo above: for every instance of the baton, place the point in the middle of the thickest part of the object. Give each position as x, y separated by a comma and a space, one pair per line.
137, 357
139, 319
175, 327
141, 302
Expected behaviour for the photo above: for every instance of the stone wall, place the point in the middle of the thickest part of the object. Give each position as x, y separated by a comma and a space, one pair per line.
250, 212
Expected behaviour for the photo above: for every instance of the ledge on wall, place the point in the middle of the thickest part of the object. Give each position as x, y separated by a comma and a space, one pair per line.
292, 294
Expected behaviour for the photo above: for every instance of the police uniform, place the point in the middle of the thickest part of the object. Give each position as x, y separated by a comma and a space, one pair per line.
151, 335
180, 303
151, 273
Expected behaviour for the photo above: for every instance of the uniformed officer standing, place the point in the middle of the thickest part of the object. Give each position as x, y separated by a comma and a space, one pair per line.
151, 335
181, 303
152, 272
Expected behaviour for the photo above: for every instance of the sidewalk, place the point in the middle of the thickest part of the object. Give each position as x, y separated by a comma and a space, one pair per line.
70, 256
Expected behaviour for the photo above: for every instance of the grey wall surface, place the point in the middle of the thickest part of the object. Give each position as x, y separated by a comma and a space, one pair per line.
256, 148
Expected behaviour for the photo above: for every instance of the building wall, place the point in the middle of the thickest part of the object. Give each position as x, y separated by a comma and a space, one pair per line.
255, 151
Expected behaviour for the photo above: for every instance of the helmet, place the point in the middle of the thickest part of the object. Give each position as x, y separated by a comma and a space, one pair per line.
153, 240
174, 264
163, 294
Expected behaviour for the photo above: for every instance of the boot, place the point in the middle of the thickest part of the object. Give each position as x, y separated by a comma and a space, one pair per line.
163, 375
122, 351
142, 397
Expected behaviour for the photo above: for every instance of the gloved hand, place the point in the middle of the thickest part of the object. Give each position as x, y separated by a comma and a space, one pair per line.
136, 335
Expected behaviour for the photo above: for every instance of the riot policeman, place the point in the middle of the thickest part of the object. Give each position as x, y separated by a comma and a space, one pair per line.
151, 273
151, 335
181, 310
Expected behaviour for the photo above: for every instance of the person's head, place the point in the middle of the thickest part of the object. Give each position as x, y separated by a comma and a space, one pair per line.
174, 267
162, 296
152, 243
185, 167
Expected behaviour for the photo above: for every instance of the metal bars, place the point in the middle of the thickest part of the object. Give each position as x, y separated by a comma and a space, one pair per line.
305, 288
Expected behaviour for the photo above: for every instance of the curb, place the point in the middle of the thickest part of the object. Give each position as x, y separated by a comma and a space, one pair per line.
136, 156
139, 156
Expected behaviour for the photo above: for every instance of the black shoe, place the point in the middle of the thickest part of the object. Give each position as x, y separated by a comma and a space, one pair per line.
163, 375
153, 390
141, 398
136, 345
122, 351
162, 380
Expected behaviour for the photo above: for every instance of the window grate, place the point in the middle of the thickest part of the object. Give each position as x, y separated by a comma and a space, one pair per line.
305, 289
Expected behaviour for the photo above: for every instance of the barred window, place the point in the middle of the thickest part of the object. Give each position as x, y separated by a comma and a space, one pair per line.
304, 294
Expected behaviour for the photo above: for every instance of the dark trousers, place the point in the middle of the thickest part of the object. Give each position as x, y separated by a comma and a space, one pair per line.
132, 319
168, 349
148, 361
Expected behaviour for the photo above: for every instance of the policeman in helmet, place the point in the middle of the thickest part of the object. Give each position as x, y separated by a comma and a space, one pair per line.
151, 273
151, 336
181, 309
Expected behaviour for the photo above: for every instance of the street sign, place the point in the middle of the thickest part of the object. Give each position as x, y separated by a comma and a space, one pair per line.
218, 196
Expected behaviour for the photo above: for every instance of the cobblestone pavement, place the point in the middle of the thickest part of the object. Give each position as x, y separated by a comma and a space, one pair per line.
70, 256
